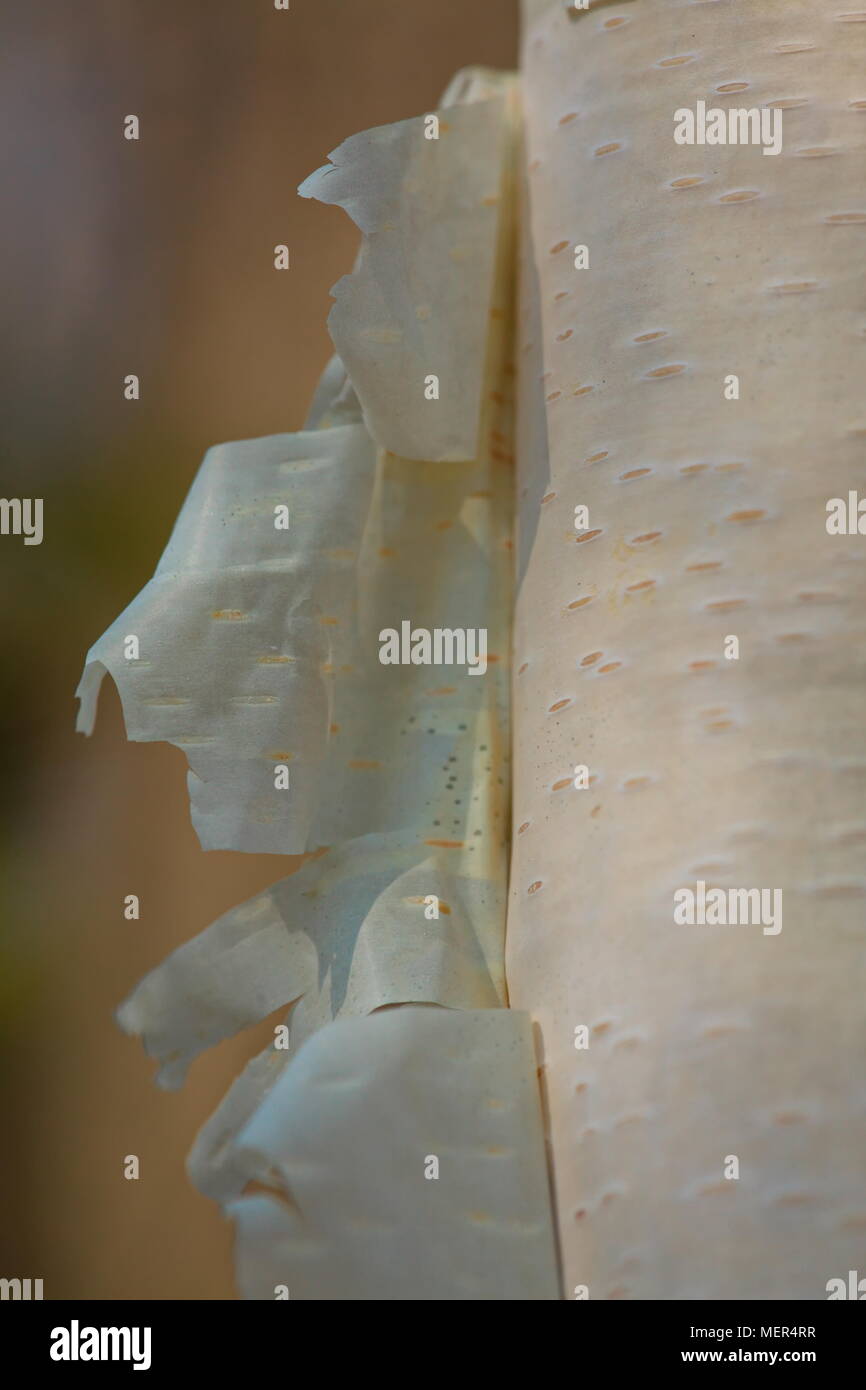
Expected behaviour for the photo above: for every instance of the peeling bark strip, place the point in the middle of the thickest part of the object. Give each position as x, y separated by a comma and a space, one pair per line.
355, 1207
433, 205
256, 650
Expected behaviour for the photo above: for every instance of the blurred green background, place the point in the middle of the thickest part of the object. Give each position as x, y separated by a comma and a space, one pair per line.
154, 258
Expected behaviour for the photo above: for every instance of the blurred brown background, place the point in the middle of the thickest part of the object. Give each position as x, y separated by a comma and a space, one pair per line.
156, 258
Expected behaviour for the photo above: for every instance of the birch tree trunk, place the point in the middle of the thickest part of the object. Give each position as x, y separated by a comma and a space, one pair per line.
737, 763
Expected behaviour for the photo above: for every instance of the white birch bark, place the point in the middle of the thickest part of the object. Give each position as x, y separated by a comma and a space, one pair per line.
706, 520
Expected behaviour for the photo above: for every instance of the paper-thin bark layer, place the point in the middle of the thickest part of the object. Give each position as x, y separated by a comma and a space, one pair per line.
348, 1139
258, 649
347, 934
706, 519
430, 209
258, 644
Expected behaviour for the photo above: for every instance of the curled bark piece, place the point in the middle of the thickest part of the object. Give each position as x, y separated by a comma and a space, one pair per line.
348, 933
427, 195
405, 1158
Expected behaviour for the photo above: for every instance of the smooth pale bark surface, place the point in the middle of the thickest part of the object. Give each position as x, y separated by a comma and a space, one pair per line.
706, 520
